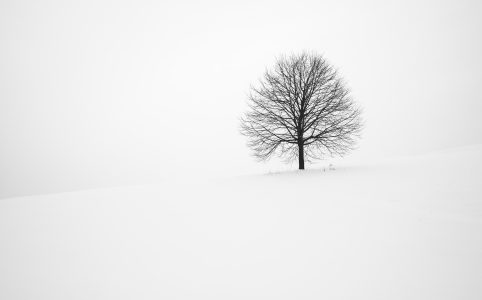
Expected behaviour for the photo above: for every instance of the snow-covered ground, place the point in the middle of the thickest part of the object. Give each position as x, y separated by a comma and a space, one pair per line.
406, 228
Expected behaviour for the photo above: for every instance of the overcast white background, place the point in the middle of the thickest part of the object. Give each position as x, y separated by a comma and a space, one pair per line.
101, 93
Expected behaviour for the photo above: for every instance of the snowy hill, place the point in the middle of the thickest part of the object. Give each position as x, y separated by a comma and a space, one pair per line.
407, 228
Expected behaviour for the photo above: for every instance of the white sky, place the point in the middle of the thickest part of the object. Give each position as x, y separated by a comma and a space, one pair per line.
96, 93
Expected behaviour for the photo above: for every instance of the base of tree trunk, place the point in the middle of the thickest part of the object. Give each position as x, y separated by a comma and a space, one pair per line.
301, 158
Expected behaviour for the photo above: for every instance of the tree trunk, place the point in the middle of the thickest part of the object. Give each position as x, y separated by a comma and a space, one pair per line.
301, 157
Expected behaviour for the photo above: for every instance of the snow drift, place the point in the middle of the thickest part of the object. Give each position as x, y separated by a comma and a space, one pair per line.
407, 228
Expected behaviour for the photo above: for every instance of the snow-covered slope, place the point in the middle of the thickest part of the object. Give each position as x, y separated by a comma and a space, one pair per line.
408, 228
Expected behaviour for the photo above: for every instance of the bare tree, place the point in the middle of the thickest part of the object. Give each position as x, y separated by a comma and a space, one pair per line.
301, 109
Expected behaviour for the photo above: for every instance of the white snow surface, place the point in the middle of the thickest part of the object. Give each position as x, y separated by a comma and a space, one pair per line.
404, 228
